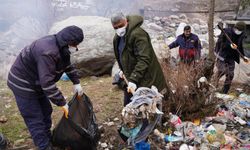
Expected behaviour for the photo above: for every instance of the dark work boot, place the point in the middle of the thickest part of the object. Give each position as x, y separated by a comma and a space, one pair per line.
226, 89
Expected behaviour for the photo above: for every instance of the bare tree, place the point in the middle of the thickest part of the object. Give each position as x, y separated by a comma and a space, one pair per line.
209, 63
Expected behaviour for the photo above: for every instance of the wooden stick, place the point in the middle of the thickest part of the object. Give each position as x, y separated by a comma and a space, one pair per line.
126, 80
229, 39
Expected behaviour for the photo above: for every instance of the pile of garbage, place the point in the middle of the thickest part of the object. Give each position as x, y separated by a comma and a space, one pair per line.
229, 129
141, 115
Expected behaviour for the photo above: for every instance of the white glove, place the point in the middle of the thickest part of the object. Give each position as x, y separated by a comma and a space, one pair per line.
121, 74
131, 87
65, 109
78, 89
233, 46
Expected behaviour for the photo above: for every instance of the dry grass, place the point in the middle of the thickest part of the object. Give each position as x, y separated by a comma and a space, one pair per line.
107, 101
186, 99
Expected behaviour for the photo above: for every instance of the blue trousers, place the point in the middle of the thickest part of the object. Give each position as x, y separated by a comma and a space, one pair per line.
36, 113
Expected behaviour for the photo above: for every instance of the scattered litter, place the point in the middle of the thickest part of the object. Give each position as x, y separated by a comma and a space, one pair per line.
171, 138
116, 119
128, 132
186, 147
64, 77
3, 119
104, 145
19, 142
228, 129
224, 96
142, 146
111, 124
239, 120
7, 106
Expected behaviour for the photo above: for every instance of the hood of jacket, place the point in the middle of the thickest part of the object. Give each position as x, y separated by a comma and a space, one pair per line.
133, 22
71, 35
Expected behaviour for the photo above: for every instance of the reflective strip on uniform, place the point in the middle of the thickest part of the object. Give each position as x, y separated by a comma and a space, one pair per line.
59, 71
52, 95
50, 87
22, 80
68, 66
72, 71
21, 88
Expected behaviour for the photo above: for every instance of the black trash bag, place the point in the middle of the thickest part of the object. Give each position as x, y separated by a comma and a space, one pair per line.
3, 142
80, 130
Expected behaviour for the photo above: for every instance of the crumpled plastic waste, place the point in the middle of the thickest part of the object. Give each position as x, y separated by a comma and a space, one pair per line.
244, 147
244, 135
64, 77
142, 146
131, 133
186, 147
224, 96
228, 129
245, 104
175, 120
143, 103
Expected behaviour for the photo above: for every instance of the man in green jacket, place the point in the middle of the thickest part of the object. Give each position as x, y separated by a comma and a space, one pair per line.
135, 55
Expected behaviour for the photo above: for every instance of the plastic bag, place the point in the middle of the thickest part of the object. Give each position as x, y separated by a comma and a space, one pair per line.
3, 142
80, 130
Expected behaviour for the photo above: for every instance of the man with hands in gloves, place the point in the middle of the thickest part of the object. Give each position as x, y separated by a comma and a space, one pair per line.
135, 55
228, 53
33, 77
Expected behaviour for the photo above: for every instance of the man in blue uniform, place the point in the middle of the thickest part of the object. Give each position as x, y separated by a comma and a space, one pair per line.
33, 77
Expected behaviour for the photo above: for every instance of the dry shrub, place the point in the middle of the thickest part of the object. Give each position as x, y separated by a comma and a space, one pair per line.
185, 98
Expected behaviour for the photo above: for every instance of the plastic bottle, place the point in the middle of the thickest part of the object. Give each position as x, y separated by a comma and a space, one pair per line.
170, 138
175, 120
159, 134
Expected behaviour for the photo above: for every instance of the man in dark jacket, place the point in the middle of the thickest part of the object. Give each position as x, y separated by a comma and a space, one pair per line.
190, 46
227, 54
135, 55
33, 77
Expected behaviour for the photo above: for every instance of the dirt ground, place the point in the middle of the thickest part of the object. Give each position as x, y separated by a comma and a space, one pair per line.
106, 98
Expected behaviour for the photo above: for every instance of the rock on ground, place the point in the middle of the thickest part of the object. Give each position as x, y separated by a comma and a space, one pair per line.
95, 55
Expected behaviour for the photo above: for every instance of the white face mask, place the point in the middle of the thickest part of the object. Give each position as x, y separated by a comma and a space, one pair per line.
121, 31
236, 31
72, 49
